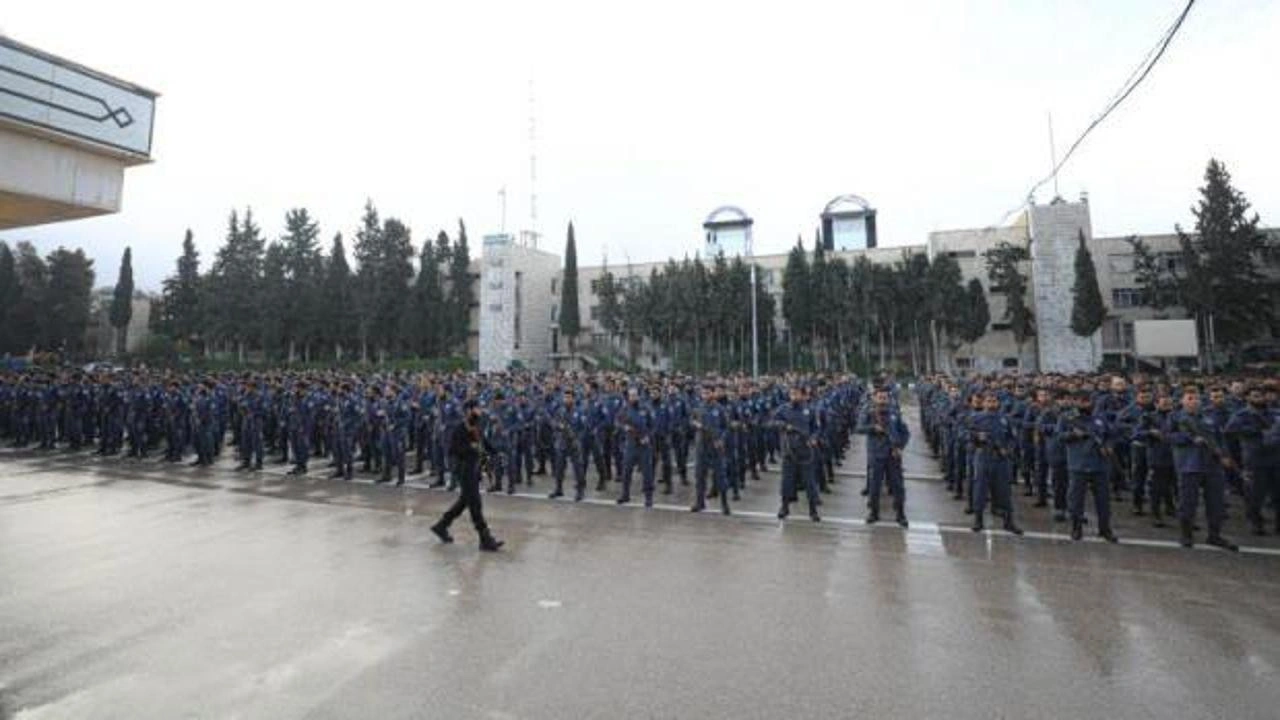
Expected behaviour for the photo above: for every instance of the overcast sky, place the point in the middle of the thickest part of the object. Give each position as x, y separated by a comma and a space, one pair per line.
649, 115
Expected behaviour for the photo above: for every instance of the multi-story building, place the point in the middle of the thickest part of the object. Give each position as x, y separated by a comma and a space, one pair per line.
67, 133
518, 314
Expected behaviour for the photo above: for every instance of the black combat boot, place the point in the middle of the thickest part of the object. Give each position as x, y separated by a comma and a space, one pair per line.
1216, 540
442, 532
489, 543
1186, 540
1077, 530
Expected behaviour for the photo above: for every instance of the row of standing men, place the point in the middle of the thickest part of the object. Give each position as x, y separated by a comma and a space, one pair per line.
1069, 437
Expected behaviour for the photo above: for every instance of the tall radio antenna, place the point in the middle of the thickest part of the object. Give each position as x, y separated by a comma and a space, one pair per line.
533, 170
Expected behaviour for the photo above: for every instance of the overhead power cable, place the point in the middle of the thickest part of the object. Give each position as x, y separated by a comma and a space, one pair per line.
1134, 80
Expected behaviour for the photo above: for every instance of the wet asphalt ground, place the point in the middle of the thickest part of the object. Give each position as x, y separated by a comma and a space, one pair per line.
143, 590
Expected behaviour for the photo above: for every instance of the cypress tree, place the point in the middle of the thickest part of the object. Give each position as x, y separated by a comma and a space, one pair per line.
570, 323
1087, 309
122, 302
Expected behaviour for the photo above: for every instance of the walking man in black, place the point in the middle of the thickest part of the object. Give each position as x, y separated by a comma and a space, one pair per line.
466, 444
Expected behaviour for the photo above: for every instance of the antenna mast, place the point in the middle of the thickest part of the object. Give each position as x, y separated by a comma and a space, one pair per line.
533, 171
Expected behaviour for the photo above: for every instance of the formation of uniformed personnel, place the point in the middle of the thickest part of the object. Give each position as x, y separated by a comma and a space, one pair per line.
1172, 446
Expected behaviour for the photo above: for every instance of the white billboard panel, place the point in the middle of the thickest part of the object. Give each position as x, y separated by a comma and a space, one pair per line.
1165, 338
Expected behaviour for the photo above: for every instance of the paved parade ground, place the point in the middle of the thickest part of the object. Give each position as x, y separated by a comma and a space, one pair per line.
143, 590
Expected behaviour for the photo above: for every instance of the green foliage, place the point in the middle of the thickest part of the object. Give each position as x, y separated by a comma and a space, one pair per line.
570, 322
975, 314
66, 308
10, 291
1088, 311
1223, 260
1152, 275
461, 292
180, 314
1004, 272
122, 297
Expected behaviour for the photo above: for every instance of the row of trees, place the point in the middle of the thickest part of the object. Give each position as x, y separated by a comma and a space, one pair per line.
44, 301
838, 315
292, 301
1217, 276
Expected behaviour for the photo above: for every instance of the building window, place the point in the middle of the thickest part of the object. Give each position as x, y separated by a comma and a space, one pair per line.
1173, 262
594, 312
1125, 297
555, 312
553, 285
962, 254
599, 338
1010, 362
1117, 334
996, 327
964, 363
595, 286
998, 290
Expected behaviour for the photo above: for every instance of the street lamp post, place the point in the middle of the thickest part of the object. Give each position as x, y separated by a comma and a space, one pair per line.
755, 332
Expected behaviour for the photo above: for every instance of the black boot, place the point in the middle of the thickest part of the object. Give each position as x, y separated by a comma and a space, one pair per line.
977, 522
873, 517
1215, 539
489, 543
1109, 535
442, 532
1186, 540
1077, 530
783, 511
1011, 527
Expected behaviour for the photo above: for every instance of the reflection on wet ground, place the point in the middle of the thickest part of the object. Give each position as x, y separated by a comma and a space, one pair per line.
144, 590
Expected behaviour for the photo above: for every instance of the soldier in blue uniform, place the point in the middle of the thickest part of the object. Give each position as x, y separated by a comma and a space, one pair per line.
710, 427
994, 443
252, 411
798, 430
1089, 455
398, 418
1256, 426
203, 426
635, 424
1199, 460
887, 436
301, 423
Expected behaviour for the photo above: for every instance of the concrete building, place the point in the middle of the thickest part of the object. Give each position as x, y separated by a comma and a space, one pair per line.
67, 133
1050, 232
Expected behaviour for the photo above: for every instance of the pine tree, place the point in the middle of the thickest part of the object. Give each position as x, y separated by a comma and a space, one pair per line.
1224, 287
273, 320
341, 323
1004, 273
945, 295
395, 276
122, 302
570, 323
425, 321
1088, 311
180, 310
368, 256
68, 301
462, 294
976, 315
26, 315
302, 266
9, 292
797, 297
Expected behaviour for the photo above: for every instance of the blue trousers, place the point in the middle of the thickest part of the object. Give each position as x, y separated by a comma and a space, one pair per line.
886, 470
1097, 483
637, 454
1190, 486
797, 470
